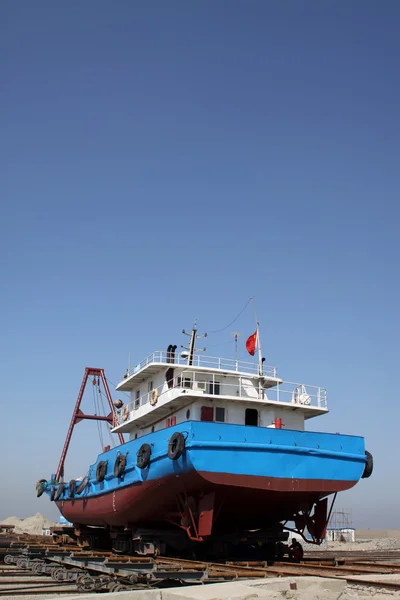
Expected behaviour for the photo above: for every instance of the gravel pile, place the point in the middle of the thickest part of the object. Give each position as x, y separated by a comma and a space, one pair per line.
33, 525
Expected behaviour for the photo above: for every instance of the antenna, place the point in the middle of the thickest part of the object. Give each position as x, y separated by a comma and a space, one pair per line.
192, 346
236, 335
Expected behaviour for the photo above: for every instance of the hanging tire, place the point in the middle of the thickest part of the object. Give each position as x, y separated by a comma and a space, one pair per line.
72, 488
119, 465
369, 465
101, 470
143, 456
59, 491
40, 487
82, 485
176, 446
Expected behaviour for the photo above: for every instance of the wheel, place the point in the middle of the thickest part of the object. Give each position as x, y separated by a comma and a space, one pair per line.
58, 574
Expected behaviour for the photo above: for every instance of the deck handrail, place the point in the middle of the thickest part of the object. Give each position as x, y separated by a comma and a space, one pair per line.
285, 392
211, 362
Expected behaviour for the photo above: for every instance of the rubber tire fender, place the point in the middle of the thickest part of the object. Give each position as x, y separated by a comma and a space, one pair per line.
119, 465
101, 470
176, 446
143, 456
59, 491
40, 487
369, 465
82, 485
72, 488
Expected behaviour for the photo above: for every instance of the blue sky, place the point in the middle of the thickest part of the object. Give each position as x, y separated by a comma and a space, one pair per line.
166, 160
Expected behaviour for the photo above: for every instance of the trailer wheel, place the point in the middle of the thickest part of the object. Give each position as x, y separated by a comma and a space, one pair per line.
176, 446
143, 456
369, 465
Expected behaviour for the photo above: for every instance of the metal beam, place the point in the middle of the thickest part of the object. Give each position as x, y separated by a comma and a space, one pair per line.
78, 415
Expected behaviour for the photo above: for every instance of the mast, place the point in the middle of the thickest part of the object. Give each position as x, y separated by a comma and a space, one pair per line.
260, 358
192, 343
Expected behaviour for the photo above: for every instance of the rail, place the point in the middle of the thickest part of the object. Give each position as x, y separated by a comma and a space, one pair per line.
286, 392
201, 361
91, 571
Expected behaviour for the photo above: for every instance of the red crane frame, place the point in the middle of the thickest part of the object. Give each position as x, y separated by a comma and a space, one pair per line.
78, 415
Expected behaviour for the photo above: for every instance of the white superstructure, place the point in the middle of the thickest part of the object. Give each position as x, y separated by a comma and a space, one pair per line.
167, 389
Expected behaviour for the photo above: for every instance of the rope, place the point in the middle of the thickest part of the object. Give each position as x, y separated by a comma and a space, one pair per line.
235, 319
96, 412
108, 426
114, 385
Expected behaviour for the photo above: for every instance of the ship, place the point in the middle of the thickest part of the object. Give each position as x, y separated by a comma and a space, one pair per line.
217, 458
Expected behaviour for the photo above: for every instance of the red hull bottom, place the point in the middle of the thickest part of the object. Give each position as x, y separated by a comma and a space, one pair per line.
241, 501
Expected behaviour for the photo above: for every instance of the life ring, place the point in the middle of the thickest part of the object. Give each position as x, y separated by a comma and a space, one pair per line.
125, 413
143, 456
40, 487
59, 491
101, 470
154, 397
72, 488
176, 445
82, 485
369, 465
119, 465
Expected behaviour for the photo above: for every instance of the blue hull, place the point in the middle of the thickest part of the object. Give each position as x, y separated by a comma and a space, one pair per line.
275, 468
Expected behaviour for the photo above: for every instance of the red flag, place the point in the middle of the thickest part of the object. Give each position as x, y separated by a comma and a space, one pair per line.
251, 343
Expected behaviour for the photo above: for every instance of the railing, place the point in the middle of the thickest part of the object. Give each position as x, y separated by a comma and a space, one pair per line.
287, 392
210, 362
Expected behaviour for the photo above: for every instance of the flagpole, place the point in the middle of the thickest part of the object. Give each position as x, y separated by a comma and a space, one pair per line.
260, 361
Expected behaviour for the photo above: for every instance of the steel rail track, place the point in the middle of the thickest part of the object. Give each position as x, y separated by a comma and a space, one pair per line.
92, 571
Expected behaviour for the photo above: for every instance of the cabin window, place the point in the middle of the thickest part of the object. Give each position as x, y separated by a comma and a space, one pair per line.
207, 413
188, 414
251, 416
137, 398
214, 388
152, 429
184, 382
220, 414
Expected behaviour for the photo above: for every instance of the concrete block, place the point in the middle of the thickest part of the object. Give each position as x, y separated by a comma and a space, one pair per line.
221, 591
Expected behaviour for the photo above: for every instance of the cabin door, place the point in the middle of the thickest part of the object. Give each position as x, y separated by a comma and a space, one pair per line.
207, 413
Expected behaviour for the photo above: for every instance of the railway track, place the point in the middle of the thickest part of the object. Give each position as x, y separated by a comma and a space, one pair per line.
37, 569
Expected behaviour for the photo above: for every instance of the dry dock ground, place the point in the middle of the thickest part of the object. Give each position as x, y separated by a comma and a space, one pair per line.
366, 569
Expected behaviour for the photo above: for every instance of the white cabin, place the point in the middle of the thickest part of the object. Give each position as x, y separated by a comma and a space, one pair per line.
168, 389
